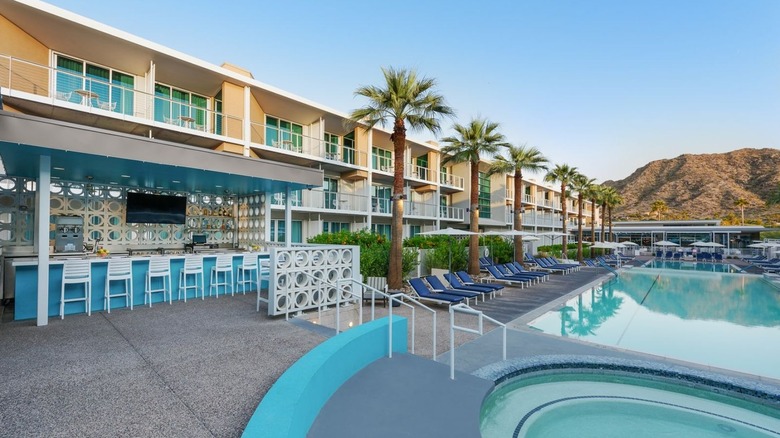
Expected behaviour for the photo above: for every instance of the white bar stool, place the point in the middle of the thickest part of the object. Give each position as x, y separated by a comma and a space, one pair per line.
264, 274
247, 272
119, 270
193, 265
224, 266
159, 267
76, 271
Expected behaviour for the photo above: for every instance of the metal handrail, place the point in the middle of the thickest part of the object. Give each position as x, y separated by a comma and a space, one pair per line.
463, 308
397, 297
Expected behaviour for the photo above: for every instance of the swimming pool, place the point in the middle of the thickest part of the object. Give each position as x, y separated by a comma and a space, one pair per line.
729, 321
691, 266
587, 403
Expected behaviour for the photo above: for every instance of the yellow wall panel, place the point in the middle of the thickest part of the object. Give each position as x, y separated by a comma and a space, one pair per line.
27, 71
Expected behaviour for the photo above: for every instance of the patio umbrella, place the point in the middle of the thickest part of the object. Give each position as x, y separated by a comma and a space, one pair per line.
449, 231
666, 243
629, 243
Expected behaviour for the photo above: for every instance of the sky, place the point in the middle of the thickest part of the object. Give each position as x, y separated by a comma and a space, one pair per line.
605, 86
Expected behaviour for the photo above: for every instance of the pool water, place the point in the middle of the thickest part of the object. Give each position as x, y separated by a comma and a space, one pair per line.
729, 321
590, 405
691, 266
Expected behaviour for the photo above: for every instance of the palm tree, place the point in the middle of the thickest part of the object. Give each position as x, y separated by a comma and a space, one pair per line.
659, 207
594, 194
581, 185
404, 99
564, 174
613, 200
479, 137
520, 158
741, 203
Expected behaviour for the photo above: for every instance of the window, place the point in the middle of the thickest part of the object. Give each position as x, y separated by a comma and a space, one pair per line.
179, 107
383, 229
484, 195
296, 197
278, 232
331, 190
443, 204
381, 159
93, 85
414, 230
331, 146
422, 167
348, 152
380, 198
218, 113
283, 134
334, 227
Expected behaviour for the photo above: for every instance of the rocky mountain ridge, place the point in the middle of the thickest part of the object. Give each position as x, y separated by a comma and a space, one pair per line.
704, 186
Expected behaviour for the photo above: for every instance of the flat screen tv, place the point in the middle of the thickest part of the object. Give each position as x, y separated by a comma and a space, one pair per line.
144, 208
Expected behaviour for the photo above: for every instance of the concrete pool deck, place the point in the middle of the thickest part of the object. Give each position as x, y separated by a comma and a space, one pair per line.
200, 368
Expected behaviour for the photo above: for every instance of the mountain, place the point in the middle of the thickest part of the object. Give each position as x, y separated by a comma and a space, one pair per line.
704, 186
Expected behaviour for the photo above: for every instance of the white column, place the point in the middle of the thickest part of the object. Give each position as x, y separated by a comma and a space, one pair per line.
288, 218
247, 125
42, 211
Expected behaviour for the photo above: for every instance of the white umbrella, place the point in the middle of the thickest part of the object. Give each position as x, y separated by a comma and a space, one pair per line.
528, 237
629, 243
666, 243
449, 231
699, 243
604, 245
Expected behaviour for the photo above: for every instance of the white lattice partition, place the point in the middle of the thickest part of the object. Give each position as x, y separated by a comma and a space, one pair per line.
292, 290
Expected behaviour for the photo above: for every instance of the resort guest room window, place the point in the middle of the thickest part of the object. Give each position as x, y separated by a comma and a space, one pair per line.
179, 107
283, 134
380, 198
383, 229
348, 151
332, 146
334, 227
330, 187
381, 159
422, 167
93, 85
484, 195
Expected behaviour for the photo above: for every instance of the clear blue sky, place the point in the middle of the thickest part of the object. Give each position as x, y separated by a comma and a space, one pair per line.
606, 85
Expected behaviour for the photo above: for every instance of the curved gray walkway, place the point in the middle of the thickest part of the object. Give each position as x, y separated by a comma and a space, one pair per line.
188, 369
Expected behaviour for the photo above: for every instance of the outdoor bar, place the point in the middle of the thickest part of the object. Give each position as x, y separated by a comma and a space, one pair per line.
90, 173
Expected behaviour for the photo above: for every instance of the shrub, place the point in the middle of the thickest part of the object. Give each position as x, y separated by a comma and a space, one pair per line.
439, 256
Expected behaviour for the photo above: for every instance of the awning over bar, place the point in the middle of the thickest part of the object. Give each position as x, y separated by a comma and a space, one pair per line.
83, 153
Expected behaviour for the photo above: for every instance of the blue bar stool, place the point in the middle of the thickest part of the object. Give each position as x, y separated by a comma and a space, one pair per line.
159, 267
119, 270
224, 266
193, 266
76, 271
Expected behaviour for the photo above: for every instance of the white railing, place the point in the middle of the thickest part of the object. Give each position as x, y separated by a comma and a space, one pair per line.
382, 164
510, 194
420, 209
451, 180
399, 298
98, 96
462, 308
414, 171
528, 199
381, 205
273, 136
323, 200
452, 213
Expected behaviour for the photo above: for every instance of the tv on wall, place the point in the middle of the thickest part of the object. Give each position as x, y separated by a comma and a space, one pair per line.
145, 208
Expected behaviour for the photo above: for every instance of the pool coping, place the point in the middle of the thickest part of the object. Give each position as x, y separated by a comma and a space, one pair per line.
745, 388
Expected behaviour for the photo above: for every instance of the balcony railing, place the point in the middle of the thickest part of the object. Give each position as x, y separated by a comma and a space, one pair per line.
418, 172
510, 194
536, 219
451, 180
452, 213
528, 199
382, 164
275, 137
418, 209
98, 96
324, 200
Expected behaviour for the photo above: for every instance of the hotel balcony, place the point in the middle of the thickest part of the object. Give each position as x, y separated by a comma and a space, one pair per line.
88, 100
536, 219
418, 175
451, 183
323, 201
281, 145
510, 194
420, 210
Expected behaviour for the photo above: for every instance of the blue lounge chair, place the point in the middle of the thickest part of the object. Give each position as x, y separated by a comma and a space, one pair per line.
517, 268
498, 276
506, 270
438, 287
466, 279
455, 282
547, 266
423, 293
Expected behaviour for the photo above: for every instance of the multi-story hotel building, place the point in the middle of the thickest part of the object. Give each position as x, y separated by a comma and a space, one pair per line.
109, 113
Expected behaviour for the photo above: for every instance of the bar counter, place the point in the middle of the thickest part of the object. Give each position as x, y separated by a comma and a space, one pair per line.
26, 282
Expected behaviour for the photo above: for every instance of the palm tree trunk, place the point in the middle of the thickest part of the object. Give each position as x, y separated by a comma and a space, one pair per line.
592, 225
565, 238
579, 228
611, 237
603, 210
394, 273
474, 220
518, 214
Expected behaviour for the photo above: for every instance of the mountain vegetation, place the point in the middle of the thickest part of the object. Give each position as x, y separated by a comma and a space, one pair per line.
729, 186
